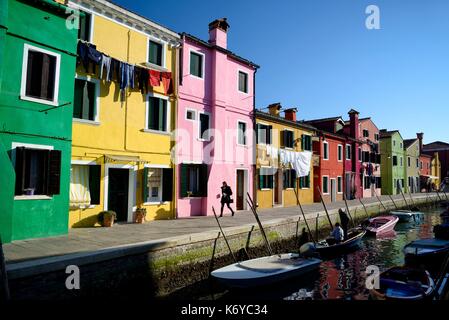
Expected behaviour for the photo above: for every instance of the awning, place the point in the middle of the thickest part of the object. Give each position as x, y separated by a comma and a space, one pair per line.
120, 158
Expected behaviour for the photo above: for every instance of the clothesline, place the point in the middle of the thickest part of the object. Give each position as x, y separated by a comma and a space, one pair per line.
126, 74
299, 161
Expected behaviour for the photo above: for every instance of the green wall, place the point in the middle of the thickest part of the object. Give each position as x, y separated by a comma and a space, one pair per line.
389, 147
24, 122
413, 171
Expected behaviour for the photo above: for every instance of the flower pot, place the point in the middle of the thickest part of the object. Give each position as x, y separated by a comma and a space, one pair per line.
108, 221
140, 216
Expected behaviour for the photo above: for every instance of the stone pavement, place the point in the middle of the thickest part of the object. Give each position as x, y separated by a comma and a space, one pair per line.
90, 240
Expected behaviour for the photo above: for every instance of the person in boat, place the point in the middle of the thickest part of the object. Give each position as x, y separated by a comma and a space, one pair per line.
344, 220
226, 194
304, 238
337, 233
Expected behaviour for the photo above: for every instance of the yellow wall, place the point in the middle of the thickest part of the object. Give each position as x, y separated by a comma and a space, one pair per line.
121, 123
436, 169
265, 197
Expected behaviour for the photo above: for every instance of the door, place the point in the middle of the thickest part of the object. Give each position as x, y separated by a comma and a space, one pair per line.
276, 197
348, 185
333, 190
118, 192
240, 189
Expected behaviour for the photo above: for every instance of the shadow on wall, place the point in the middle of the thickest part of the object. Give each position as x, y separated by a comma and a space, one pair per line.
87, 222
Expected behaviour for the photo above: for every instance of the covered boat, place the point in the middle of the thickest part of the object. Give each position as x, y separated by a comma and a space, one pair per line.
381, 225
428, 252
329, 247
265, 270
404, 283
403, 215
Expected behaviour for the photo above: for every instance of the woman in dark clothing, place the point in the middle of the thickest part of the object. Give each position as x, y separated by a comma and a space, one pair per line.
226, 193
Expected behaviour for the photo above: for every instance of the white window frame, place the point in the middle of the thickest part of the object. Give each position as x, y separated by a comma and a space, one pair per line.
293, 134
245, 134
360, 154
238, 81
348, 153
86, 163
203, 57
340, 182
325, 147
328, 184
164, 51
147, 105
199, 137
271, 168
96, 120
340, 147
26, 48
257, 134
311, 142
194, 112
148, 201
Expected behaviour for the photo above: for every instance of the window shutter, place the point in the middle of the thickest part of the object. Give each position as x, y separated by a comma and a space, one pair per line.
293, 181
20, 170
308, 181
167, 184
145, 191
183, 180
268, 133
270, 181
259, 174
284, 179
151, 107
54, 172
283, 140
203, 180
257, 132
161, 113
94, 183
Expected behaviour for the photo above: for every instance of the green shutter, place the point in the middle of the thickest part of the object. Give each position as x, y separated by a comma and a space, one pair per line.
145, 191
270, 181
259, 174
293, 181
161, 113
284, 179
151, 113
283, 140
54, 172
183, 180
203, 180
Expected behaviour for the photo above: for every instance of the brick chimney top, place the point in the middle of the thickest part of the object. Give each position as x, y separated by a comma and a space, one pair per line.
275, 108
420, 136
352, 111
218, 32
290, 114
221, 24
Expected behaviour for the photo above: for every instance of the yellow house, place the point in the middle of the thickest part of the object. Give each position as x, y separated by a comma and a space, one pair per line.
435, 172
123, 115
276, 183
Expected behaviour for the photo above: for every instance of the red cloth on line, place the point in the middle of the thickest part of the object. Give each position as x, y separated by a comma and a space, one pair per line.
166, 81
155, 78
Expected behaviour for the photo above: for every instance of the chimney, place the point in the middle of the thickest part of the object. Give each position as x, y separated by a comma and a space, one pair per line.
354, 123
275, 109
420, 137
290, 114
218, 32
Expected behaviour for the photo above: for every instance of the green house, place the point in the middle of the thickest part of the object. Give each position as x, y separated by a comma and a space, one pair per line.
392, 162
37, 68
412, 165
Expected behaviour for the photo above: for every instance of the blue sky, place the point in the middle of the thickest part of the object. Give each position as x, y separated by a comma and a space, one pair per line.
318, 56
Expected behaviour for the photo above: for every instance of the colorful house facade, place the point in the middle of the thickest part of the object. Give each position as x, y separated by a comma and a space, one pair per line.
123, 116
442, 148
412, 165
215, 140
392, 162
36, 88
278, 183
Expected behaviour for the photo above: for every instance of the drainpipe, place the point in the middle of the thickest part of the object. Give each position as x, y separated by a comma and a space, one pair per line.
254, 141
177, 81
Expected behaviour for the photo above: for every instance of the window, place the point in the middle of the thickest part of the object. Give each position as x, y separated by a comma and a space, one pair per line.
339, 185
366, 156
325, 185
204, 125
365, 133
85, 100
402, 163
348, 152
38, 171
394, 142
304, 182
40, 75
243, 82
85, 21
306, 142
418, 165
340, 152
376, 136
157, 114
242, 133
289, 178
157, 184
84, 185
325, 151
155, 52
194, 178
287, 138
378, 182
408, 161
395, 160
266, 178
360, 155
367, 182
263, 133
190, 115
401, 145
196, 64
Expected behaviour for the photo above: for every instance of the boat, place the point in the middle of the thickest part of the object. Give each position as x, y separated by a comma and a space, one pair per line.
428, 252
406, 215
264, 271
381, 225
404, 283
441, 231
329, 247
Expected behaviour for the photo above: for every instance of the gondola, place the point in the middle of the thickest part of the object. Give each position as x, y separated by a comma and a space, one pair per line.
381, 225
329, 247
428, 252
264, 271
404, 283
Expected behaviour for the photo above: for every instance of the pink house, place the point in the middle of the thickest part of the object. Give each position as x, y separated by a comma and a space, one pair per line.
214, 138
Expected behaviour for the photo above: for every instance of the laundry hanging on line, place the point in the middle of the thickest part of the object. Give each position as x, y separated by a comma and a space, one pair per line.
299, 161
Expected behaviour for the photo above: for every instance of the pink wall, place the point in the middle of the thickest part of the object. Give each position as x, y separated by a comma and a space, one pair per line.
217, 93
369, 125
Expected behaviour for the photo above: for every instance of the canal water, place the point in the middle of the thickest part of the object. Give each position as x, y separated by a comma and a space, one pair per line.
343, 277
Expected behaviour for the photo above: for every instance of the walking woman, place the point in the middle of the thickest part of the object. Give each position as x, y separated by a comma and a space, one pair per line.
226, 193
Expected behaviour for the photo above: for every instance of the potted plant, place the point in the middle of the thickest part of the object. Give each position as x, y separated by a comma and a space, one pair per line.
141, 213
107, 218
